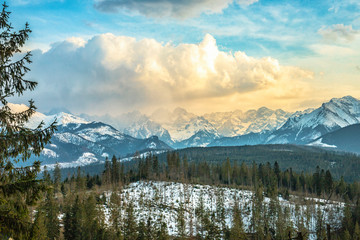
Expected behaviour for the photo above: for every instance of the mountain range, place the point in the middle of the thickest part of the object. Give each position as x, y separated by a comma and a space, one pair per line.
78, 142
180, 128
84, 139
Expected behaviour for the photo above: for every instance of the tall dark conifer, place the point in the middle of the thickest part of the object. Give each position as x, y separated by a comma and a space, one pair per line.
19, 187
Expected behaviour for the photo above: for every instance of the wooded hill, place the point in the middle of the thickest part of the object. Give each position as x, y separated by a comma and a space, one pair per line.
298, 158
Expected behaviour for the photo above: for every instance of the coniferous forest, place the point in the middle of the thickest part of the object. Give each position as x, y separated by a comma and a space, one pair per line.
258, 201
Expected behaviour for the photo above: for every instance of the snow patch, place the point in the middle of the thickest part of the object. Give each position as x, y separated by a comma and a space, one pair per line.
161, 200
49, 153
142, 155
151, 145
86, 159
319, 143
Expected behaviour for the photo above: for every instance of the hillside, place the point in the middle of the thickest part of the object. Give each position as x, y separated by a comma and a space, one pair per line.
299, 158
345, 139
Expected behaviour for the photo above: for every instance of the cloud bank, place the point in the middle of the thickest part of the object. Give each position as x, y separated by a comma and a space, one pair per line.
339, 32
111, 73
168, 8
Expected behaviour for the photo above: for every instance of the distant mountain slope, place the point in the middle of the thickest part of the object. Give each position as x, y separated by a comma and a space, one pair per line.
247, 139
345, 139
306, 126
230, 124
182, 125
179, 128
79, 142
200, 139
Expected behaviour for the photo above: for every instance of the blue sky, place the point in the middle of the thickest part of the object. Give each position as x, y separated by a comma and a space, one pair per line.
317, 37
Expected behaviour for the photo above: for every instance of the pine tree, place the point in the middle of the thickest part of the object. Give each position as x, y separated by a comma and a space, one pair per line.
115, 214
347, 222
57, 178
328, 182
130, 226
320, 228
141, 229
107, 172
149, 229
19, 186
51, 209
346, 235
220, 211
80, 180
39, 231
237, 229
181, 221
73, 221
162, 233
91, 226
356, 232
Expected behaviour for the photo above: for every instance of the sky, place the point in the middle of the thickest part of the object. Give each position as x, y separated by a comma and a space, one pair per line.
114, 56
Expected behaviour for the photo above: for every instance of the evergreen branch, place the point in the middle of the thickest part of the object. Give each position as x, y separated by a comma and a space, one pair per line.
12, 121
28, 142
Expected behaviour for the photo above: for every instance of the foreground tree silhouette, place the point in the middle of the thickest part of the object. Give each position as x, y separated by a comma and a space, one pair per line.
19, 187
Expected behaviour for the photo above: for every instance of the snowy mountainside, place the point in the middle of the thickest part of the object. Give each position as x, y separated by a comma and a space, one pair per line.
61, 118
145, 128
246, 139
161, 200
230, 124
82, 144
306, 126
182, 125
135, 124
200, 139
179, 128
78, 142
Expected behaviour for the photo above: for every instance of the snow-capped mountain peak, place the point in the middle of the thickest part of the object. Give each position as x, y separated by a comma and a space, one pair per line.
303, 127
67, 118
17, 108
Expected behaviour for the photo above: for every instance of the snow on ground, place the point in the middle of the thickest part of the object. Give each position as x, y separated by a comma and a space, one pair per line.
49, 153
160, 200
100, 133
142, 155
86, 159
319, 143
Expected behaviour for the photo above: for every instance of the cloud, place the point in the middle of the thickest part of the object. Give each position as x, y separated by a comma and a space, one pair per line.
332, 50
111, 73
339, 32
168, 8
27, 2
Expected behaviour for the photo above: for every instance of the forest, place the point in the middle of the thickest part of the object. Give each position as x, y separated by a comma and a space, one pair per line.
80, 201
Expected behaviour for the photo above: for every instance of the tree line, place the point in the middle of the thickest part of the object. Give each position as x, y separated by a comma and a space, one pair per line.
81, 201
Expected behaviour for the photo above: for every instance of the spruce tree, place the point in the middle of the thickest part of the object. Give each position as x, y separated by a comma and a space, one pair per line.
51, 208
19, 187
181, 221
356, 235
39, 231
237, 229
130, 226
115, 214
57, 178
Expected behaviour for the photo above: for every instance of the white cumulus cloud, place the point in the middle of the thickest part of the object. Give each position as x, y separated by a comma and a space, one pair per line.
119, 73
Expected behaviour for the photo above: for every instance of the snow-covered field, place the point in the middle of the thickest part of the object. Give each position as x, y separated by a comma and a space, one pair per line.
161, 200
